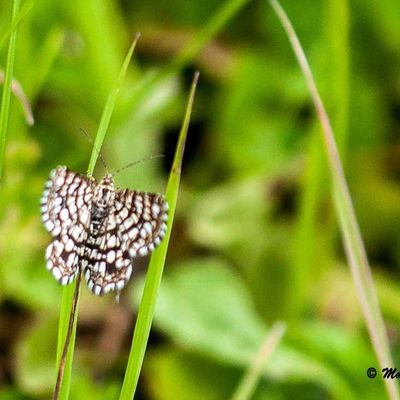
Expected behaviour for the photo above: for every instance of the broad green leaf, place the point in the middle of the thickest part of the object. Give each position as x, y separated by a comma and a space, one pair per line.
217, 320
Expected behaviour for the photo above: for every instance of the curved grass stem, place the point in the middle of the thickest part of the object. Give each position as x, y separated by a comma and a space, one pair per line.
353, 243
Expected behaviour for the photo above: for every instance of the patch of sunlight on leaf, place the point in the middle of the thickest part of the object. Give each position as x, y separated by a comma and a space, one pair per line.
219, 220
157, 101
216, 304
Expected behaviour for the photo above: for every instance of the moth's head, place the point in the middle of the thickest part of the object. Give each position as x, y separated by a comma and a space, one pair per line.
104, 194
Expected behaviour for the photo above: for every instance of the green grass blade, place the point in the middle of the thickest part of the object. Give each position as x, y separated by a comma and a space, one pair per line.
248, 384
227, 11
156, 266
8, 76
15, 22
65, 315
210, 29
70, 305
68, 292
109, 108
352, 239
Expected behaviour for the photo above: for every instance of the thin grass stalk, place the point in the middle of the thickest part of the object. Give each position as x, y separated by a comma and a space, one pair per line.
352, 239
71, 324
69, 304
248, 384
210, 29
109, 108
25, 9
156, 266
66, 337
8, 76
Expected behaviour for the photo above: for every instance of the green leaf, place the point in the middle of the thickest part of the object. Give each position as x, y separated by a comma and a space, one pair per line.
217, 320
109, 108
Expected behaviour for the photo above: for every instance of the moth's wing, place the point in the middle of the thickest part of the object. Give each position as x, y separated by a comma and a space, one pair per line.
134, 227
65, 207
63, 253
107, 266
66, 200
141, 219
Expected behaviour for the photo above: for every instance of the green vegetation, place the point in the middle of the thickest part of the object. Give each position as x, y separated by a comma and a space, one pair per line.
256, 239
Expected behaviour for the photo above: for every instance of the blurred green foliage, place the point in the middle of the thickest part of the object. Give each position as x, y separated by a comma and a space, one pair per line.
255, 238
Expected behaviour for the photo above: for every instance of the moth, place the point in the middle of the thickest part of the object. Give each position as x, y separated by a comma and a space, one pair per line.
98, 229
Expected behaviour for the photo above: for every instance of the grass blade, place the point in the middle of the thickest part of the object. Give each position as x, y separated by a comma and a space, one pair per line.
18, 18
69, 345
109, 108
249, 382
8, 76
348, 223
210, 29
156, 266
69, 303
66, 338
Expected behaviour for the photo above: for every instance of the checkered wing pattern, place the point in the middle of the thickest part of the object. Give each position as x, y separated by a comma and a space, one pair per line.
65, 209
134, 226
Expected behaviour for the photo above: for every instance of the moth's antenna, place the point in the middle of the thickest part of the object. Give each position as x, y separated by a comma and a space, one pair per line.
138, 162
97, 150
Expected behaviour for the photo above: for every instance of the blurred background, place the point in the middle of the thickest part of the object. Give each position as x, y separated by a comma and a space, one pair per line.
255, 239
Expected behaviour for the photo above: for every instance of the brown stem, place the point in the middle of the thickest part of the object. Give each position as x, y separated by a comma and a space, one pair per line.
61, 369
16, 88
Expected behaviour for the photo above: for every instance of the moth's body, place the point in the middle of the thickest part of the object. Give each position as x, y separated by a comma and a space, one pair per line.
98, 229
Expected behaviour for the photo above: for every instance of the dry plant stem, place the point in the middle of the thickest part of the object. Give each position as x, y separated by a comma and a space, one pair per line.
16, 88
6, 95
61, 368
351, 233
248, 384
